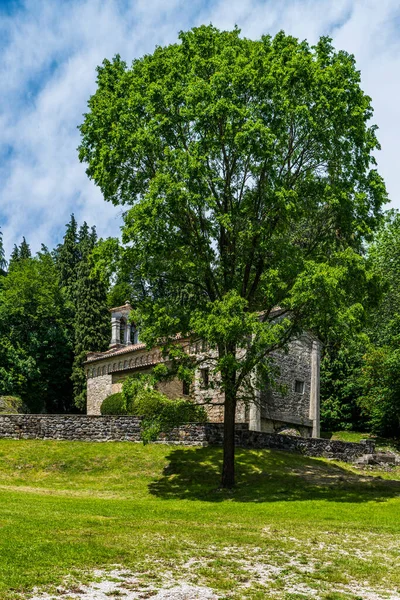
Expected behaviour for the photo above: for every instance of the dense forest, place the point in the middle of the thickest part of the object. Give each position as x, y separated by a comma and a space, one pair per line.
54, 309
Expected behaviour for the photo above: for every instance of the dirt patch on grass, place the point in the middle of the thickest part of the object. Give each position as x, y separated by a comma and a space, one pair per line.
119, 583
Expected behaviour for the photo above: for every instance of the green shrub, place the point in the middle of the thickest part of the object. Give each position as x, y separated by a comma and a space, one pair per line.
160, 414
11, 405
114, 405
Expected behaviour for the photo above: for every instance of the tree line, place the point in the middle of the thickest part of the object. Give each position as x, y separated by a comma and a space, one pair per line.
53, 310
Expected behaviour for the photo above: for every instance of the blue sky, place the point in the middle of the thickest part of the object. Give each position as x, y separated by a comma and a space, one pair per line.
49, 52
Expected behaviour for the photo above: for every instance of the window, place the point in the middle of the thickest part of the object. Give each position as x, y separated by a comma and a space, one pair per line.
299, 386
204, 378
134, 335
122, 329
186, 388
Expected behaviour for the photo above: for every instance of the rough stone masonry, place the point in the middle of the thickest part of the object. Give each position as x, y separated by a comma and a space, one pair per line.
272, 409
124, 428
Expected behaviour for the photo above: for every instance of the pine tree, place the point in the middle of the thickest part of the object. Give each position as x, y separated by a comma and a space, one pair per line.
91, 322
24, 250
20, 252
3, 262
14, 257
67, 258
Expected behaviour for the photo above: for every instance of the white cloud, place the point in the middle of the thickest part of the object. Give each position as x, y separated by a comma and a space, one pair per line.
47, 73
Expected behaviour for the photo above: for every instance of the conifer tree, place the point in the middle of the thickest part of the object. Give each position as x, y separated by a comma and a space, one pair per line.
24, 250
67, 258
19, 253
14, 257
91, 321
3, 262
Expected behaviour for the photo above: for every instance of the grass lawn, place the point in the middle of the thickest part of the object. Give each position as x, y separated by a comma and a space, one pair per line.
294, 527
356, 436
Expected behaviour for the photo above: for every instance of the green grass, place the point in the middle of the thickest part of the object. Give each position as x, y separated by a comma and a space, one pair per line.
355, 436
68, 508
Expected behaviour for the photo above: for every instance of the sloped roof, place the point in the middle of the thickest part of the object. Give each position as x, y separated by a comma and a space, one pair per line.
94, 356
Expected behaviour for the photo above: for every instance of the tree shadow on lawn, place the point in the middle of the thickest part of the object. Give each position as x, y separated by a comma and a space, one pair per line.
266, 476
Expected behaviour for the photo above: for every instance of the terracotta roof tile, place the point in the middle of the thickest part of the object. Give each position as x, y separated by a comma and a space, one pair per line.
114, 352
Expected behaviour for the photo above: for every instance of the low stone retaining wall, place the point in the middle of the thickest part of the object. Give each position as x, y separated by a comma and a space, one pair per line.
70, 427
121, 428
212, 434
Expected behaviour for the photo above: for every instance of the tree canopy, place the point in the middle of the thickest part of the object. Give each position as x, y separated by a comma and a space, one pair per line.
248, 172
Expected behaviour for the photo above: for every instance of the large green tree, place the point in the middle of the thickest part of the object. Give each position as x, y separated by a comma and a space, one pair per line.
33, 343
248, 175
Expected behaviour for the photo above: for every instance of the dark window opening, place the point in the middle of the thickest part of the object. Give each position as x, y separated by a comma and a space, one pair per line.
134, 335
299, 386
205, 378
186, 388
122, 327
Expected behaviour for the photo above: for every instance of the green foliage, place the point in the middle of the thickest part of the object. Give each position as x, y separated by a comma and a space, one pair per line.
380, 399
20, 253
248, 175
341, 386
52, 311
379, 376
33, 343
3, 262
113, 405
91, 321
67, 257
256, 156
11, 405
160, 414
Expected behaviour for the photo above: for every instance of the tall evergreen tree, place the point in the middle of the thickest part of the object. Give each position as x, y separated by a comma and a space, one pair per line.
20, 252
3, 262
14, 257
24, 249
67, 258
91, 321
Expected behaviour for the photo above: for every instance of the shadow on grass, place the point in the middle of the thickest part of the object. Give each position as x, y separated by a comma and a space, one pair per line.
266, 476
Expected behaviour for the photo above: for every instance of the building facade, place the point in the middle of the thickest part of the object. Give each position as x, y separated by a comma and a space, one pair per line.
293, 402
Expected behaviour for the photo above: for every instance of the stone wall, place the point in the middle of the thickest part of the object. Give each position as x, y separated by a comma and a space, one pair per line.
121, 428
211, 434
275, 409
98, 388
293, 365
70, 427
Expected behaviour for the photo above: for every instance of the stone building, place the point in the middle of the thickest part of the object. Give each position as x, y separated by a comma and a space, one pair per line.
294, 401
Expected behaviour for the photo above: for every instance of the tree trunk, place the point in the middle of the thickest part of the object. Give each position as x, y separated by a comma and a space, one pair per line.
228, 468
